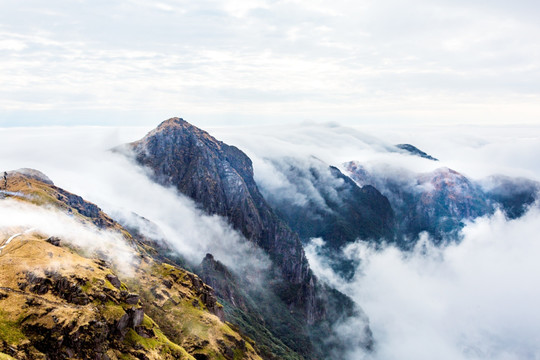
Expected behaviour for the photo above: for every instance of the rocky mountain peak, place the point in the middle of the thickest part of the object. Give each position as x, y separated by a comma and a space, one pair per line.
183, 132
413, 150
219, 178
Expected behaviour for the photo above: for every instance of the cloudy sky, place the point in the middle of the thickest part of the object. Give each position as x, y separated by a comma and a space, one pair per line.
238, 62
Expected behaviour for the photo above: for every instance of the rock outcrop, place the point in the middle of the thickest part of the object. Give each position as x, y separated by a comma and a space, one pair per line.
59, 300
438, 202
219, 177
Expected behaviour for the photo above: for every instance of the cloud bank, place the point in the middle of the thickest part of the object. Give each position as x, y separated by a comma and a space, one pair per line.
17, 218
473, 300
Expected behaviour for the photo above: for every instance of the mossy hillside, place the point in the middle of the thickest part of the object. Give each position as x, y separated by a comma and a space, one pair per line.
10, 331
175, 299
184, 306
180, 318
6, 357
160, 346
25, 313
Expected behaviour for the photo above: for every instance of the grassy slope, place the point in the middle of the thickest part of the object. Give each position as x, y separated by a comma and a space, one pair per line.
175, 315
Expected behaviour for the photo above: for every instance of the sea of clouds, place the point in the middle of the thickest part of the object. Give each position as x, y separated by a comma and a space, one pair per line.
473, 300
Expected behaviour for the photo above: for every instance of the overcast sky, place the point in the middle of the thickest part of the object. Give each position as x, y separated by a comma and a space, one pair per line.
236, 62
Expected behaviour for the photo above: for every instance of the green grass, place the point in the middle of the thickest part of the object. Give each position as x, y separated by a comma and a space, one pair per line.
10, 331
5, 357
111, 311
160, 343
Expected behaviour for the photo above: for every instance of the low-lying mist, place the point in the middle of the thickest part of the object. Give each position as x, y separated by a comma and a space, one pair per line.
18, 217
80, 160
472, 300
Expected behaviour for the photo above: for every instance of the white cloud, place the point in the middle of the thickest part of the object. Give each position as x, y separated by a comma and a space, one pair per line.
79, 160
475, 300
52, 222
248, 61
12, 45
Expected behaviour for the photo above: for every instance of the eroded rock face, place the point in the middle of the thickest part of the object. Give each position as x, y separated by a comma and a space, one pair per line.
65, 341
220, 178
132, 319
206, 295
436, 202
61, 286
223, 281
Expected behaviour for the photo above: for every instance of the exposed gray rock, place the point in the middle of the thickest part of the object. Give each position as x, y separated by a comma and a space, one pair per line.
219, 177
113, 279
33, 174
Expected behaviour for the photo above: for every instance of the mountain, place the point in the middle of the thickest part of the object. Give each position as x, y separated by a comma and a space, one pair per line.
319, 201
413, 150
439, 202
512, 195
219, 177
332, 205
62, 299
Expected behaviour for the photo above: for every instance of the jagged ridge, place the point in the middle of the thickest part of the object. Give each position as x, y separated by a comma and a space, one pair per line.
219, 177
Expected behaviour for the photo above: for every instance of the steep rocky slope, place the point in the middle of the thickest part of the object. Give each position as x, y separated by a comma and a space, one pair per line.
323, 202
219, 178
319, 201
439, 202
61, 300
413, 150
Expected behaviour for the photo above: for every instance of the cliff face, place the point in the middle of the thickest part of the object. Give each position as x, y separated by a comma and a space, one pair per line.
437, 202
60, 300
298, 311
320, 201
219, 177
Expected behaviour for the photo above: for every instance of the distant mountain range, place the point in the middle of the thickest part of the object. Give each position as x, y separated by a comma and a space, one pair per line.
171, 308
